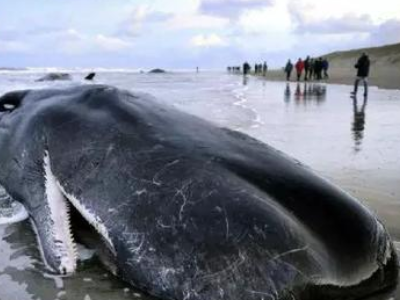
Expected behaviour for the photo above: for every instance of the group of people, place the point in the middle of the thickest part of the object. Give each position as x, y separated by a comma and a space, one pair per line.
313, 68
259, 69
234, 69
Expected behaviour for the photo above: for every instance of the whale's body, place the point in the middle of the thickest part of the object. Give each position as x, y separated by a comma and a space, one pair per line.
189, 210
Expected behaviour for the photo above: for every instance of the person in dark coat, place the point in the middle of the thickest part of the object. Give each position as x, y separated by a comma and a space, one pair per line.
325, 67
246, 68
318, 68
362, 67
306, 68
265, 68
311, 69
288, 69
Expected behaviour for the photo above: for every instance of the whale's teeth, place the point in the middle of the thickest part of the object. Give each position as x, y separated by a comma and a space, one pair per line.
95, 221
65, 247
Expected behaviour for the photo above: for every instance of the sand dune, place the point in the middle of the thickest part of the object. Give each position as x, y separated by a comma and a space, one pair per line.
385, 66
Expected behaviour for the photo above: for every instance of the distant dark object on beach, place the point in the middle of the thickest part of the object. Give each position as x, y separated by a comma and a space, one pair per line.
157, 71
90, 76
55, 76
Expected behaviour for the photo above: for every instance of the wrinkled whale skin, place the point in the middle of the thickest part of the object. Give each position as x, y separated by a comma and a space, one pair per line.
191, 211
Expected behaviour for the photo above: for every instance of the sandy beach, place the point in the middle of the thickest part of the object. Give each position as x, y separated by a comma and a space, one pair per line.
382, 77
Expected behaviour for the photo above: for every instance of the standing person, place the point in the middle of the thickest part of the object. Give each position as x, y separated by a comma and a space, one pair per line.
299, 68
265, 68
306, 68
362, 67
246, 68
318, 68
288, 69
325, 67
311, 70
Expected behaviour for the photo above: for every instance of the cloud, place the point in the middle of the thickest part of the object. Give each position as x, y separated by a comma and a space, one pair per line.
274, 19
196, 21
211, 40
386, 33
306, 19
230, 8
11, 46
112, 44
75, 43
140, 19
345, 24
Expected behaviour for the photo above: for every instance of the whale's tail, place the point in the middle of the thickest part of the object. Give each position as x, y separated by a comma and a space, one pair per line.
90, 76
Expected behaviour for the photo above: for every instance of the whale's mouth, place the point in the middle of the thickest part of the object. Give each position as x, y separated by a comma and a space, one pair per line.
61, 254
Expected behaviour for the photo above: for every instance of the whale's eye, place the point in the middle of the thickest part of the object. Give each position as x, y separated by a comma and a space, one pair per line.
9, 106
11, 101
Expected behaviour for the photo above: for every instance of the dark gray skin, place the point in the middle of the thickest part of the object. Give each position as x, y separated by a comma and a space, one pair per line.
157, 71
194, 211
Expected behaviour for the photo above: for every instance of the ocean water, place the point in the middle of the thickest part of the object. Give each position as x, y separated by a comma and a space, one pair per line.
354, 143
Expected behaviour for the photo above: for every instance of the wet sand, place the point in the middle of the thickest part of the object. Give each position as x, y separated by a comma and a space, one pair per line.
384, 77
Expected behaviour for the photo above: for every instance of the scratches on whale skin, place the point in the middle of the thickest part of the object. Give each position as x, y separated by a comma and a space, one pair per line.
182, 192
224, 214
231, 267
241, 236
227, 224
163, 226
156, 180
262, 294
135, 244
289, 252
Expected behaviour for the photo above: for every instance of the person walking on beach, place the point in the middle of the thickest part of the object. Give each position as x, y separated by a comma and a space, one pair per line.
299, 68
311, 69
246, 68
318, 68
288, 69
265, 68
306, 68
362, 67
325, 67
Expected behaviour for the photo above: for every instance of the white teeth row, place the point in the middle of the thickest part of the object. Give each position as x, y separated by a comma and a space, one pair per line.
69, 226
60, 215
91, 218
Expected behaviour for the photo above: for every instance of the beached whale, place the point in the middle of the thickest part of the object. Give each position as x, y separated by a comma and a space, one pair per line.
157, 71
188, 210
55, 77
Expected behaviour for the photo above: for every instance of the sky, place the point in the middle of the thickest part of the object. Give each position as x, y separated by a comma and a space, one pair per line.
187, 33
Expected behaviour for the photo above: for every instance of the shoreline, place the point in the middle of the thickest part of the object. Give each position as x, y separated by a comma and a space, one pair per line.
389, 79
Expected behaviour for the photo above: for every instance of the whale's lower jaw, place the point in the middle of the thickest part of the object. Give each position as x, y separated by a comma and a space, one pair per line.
62, 246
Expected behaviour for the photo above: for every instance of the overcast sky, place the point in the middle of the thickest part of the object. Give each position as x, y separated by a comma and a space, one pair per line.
187, 33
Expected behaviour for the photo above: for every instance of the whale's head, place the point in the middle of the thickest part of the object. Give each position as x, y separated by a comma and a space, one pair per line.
27, 130
10, 118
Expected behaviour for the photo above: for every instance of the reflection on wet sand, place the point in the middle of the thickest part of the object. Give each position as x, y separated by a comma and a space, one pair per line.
358, 125
245, 79
307, 92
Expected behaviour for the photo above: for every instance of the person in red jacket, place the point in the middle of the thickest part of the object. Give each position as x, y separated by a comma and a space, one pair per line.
299, 68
